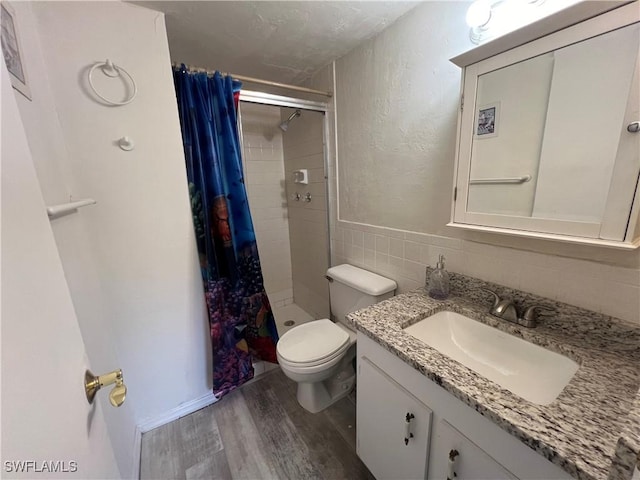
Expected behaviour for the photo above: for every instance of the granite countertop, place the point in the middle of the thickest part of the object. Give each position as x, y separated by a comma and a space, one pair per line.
592, 430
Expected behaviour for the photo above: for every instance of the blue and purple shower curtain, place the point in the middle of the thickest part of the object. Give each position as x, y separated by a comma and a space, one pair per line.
240, 317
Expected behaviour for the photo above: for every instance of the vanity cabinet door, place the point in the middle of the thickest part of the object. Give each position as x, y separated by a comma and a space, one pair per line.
393, 426
455, 456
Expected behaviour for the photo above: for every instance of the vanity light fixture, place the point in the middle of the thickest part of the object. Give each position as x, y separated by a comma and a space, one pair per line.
478, 18
479, 14
503, 15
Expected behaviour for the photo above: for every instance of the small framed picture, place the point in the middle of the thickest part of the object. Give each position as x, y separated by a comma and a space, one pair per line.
12, 50
487, 120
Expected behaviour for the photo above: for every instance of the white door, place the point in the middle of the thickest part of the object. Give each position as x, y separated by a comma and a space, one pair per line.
48, 428
454, 456
393, 426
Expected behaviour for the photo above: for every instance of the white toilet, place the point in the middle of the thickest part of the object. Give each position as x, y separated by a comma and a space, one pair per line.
319, 355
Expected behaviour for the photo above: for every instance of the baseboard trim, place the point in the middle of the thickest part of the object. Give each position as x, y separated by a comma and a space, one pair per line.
137, 453
178, 412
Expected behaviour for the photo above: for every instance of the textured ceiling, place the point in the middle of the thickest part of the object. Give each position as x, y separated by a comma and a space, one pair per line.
280, 41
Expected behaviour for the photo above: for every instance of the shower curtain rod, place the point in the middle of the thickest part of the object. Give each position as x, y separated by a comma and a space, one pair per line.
260, 81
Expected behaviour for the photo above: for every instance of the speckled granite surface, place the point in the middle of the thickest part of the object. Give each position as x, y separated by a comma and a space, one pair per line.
592, 430
627, 452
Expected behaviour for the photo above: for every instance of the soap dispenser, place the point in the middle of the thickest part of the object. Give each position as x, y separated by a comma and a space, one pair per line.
439, 281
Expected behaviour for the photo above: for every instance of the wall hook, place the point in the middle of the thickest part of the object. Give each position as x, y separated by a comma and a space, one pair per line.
125, 143
109, 69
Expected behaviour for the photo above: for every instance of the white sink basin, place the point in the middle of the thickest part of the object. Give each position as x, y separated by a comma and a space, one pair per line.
531, 372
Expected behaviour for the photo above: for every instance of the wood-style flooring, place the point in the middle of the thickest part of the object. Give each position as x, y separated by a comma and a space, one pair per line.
259, 431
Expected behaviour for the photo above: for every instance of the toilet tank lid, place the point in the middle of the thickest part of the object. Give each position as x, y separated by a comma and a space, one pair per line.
362, 280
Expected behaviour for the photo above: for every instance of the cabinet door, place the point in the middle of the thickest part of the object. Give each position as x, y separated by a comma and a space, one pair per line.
393, 426
470, 462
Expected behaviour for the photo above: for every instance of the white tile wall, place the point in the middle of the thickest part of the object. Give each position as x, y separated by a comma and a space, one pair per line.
303, 148
403, 256
264, 178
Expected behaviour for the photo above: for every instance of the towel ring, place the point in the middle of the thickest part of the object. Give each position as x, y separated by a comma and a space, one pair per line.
112, 70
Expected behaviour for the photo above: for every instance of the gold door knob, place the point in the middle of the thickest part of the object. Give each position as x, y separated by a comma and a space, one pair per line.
117, 395
93, 383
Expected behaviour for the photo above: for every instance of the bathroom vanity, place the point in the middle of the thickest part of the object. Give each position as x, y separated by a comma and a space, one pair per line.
409, 428
422, 414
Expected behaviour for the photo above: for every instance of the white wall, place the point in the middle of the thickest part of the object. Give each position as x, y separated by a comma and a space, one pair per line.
396, 100
397, 104
264, 178
130, 261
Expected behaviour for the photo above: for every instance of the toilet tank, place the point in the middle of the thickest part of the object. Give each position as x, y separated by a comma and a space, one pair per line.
352, 288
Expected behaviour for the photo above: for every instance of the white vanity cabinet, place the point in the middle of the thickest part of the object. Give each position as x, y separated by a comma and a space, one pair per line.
394, 426
454, 453
388, 389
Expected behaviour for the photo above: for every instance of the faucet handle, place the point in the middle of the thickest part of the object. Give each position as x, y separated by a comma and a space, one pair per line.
530, 314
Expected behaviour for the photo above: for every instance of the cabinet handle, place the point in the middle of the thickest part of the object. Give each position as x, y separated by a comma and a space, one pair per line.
407, 427
453, 455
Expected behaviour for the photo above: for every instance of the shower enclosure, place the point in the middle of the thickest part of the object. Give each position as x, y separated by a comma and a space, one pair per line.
290, 218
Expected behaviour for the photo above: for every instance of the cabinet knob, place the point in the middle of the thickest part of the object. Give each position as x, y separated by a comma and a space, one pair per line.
407, 427
633, 127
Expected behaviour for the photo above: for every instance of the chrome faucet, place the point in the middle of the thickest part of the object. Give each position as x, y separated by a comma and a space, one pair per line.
502, 307
505, 309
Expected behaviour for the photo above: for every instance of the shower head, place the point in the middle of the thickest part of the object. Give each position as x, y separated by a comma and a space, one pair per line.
285, 125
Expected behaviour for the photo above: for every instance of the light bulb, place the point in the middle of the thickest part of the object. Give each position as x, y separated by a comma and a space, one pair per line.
478, 14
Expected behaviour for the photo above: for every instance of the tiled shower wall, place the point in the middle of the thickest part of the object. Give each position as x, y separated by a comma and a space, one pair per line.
308, 230
264, 176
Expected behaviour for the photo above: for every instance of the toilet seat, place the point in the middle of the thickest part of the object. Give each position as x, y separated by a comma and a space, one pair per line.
311, 344
323, 363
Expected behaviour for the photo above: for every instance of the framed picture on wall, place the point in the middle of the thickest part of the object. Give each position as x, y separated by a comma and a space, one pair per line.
487, 120
12, 50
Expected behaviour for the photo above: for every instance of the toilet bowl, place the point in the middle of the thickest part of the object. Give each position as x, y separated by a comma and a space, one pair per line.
319, 355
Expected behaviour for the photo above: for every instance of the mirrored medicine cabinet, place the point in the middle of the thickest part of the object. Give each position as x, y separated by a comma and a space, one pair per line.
549, 134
